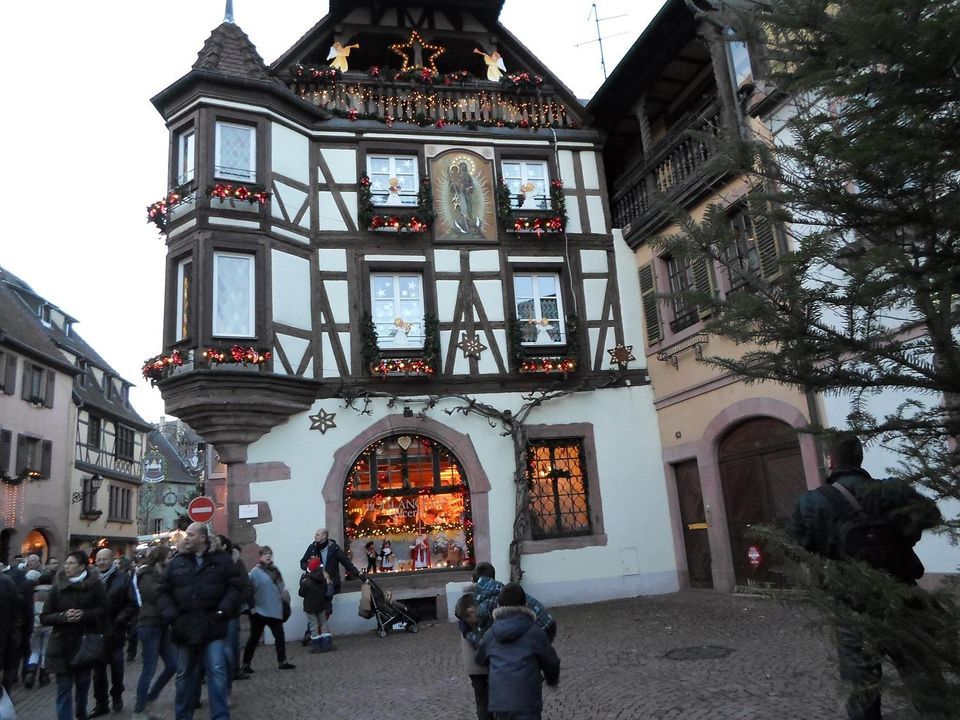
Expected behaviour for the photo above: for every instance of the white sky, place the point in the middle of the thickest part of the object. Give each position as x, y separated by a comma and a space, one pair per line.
84, 152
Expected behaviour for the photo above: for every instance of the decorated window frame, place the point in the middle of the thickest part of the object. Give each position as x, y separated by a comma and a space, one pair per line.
403, 292
541, 324
411, 490
384, 192
185, 157
183, 298
528, 183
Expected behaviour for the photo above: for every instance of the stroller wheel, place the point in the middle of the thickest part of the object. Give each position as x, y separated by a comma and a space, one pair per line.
382, 633
413, 627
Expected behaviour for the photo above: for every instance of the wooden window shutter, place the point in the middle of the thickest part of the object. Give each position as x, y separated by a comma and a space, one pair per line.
10, 375
51, 384
21, 455
46, 458
25, 390
764, 238
705, 282
5, 441
651, 305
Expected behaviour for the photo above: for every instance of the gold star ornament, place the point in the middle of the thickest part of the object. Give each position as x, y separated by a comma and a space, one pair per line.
413, 50
322, 421
621, 355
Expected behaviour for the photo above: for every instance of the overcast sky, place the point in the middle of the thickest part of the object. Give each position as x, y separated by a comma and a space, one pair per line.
84, 152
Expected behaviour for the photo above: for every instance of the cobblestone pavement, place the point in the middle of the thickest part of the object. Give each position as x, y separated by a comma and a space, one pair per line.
693, 655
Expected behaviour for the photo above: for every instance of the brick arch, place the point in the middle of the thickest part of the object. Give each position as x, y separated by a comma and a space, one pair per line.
459, 444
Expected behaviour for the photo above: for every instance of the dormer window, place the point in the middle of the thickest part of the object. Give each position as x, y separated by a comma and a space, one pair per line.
45, 315
236, 152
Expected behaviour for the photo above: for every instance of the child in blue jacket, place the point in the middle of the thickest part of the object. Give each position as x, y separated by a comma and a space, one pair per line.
520, 656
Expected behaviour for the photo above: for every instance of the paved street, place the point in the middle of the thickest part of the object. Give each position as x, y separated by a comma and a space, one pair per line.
639, 658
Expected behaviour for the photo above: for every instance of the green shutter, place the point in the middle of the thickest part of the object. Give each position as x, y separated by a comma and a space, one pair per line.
705, 283
764, 238
651, 309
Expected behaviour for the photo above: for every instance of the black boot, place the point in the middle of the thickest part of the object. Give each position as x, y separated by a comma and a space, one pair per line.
44, 679
29, 677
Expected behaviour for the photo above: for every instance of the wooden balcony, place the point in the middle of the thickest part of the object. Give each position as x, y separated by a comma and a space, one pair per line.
675, 167
91, 458
471, 102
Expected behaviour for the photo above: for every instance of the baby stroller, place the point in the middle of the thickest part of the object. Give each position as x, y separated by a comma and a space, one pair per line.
390, 614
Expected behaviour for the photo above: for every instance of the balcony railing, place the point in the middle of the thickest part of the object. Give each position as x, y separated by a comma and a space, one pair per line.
97, 457
358, 95
672, 166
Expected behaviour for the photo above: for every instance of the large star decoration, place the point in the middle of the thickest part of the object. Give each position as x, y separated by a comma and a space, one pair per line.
472, 347
408, 53
621, 355
322, 421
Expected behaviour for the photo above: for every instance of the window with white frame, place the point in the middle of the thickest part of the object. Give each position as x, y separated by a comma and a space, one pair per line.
236, 152
393, 179
528, 181
186, 153
740, 67
539, 308
233, 295
184, 281
396, 301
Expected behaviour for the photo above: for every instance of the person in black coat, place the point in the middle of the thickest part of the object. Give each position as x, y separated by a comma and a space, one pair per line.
199, 592
75, 605
331, 557
120, 611
316, 593
10, 631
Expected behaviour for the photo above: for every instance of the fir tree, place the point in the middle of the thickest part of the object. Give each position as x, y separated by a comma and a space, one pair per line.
862, 191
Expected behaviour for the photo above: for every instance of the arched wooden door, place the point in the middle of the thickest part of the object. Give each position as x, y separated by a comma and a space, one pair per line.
762, 475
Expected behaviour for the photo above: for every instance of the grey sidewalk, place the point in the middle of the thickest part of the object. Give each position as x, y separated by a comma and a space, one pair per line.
694, 654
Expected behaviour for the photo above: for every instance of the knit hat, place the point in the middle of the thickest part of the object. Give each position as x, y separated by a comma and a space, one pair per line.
312, 564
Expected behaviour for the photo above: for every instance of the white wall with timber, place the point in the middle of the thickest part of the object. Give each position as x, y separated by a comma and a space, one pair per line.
638, 557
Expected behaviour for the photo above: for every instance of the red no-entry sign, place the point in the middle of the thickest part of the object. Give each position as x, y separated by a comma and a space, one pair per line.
201, 509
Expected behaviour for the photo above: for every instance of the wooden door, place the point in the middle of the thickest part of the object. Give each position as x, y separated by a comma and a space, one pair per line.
694, 521
761, 471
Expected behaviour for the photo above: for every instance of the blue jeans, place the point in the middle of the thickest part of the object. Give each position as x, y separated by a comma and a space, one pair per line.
154, 643
212, 657
66, 683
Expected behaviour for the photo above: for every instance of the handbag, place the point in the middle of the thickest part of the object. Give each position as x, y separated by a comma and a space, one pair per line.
89, 652
286, 611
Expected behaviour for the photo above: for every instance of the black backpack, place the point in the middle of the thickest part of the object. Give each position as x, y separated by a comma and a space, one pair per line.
872, 538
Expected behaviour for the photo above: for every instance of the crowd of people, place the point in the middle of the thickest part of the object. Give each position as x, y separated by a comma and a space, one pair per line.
80, 621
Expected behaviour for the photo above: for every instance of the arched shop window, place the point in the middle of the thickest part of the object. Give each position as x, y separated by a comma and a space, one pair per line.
408, 494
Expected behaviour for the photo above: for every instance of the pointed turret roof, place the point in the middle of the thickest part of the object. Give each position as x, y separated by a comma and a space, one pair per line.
228, 50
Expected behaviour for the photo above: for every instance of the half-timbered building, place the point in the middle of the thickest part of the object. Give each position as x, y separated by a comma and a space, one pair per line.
395, 307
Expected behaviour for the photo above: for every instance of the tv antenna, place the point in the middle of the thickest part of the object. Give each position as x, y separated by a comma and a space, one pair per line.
595, 15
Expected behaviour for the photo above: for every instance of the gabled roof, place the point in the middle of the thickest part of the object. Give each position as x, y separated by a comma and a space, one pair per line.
21, 327
229, 51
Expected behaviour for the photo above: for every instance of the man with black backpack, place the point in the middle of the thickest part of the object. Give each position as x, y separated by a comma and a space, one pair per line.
858, 518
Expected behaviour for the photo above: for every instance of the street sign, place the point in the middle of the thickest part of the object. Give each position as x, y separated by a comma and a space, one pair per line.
201, 509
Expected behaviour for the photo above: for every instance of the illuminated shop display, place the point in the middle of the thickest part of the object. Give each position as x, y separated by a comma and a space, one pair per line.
408, 494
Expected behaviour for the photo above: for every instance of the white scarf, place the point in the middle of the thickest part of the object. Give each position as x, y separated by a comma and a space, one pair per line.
79, 578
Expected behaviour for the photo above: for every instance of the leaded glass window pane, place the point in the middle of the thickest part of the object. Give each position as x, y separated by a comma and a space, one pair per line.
236, 152
559, 503
233, 295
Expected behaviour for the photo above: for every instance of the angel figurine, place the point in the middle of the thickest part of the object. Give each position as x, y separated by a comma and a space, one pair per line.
339, 54
495, 66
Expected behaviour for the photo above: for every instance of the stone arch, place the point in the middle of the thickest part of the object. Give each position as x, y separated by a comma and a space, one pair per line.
458, 443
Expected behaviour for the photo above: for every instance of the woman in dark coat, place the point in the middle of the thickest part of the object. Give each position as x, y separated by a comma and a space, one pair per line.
74, 606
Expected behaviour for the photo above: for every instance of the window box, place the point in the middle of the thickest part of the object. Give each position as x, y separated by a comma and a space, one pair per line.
161, 366
537, 359
402, 217
424, 364
236, 195
237, 355
558, 365
91, 514
535, 221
